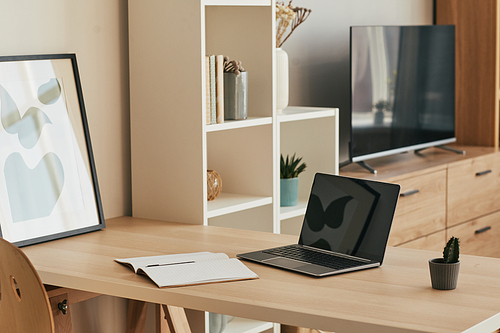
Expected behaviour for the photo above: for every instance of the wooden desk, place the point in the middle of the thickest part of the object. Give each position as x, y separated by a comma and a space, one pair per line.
396, 297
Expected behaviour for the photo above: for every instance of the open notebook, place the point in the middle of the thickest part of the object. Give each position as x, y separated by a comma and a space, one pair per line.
189, 268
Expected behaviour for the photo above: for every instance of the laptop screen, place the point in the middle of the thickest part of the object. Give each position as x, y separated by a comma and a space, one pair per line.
349, 215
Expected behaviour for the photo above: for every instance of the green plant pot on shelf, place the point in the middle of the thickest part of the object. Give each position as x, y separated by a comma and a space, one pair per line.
290, 168
289, 192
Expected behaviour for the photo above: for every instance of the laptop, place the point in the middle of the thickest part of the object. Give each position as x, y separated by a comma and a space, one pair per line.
345, 228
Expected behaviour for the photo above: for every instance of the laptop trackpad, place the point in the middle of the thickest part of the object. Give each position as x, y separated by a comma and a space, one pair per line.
284, 262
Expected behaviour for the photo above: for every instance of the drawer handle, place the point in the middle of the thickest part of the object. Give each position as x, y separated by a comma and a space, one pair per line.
480, 231
482, 173
408, 193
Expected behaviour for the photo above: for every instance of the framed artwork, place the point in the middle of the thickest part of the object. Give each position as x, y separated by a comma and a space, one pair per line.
48, 183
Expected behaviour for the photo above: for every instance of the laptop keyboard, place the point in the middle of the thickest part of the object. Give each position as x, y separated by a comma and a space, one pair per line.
315, 257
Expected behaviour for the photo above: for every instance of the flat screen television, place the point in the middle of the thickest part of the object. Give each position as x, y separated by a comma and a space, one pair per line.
402, 89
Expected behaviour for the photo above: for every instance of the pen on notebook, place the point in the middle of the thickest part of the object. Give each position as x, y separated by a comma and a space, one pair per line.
172, 263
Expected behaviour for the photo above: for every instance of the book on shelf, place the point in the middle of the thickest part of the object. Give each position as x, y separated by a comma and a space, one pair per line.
207, 87
219, 91
189, 268
213, 92
215, 89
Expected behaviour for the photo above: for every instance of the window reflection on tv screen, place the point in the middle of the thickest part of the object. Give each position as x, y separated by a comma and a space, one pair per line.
402, 88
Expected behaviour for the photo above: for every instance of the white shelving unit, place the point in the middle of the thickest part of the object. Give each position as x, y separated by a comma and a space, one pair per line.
294, 211
172, 147
310, 133
228, 203
233, 124
238, 325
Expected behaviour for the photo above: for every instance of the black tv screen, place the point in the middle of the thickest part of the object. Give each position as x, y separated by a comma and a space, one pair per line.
402, 89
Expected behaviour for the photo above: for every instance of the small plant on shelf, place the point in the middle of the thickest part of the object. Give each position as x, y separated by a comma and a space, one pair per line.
444, 271
290, 167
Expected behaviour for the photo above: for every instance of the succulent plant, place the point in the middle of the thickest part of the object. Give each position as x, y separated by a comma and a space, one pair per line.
451, 251
290, 168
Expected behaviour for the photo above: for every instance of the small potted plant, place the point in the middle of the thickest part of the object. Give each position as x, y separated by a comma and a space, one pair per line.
381, 106
289, 179
444, 271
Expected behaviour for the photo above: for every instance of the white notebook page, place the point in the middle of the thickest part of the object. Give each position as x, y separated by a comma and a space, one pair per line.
189, 268
143, 262
199, 272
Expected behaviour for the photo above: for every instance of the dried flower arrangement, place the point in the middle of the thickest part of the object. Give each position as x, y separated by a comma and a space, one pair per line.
232, 66
286, 15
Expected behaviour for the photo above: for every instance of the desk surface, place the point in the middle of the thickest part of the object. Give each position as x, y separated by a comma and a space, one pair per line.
397, 297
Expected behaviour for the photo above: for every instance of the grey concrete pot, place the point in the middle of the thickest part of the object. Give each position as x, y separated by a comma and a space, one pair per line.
235, 96
443, 276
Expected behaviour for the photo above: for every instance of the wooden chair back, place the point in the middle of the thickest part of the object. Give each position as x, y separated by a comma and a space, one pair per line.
24, 305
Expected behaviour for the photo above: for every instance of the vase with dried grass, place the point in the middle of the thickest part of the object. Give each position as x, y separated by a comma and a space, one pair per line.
288, 18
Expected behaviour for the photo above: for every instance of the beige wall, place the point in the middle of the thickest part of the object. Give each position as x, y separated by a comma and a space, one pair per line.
96, 31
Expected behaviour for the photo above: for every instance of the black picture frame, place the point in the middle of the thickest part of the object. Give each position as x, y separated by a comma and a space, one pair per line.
48, 182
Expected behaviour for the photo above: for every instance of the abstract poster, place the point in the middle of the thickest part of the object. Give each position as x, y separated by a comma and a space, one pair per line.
48, 186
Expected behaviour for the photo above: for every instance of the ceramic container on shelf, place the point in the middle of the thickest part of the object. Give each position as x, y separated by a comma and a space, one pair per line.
281, 80
289, 191
235, 96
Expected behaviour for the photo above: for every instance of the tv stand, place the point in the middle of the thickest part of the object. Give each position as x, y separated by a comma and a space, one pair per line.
372, 170
454, 150
367, 167
361, 163
457, 195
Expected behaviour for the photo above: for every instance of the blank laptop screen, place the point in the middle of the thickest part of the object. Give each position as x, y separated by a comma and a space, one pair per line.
349, 215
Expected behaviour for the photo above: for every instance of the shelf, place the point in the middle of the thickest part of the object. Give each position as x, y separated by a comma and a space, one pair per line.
236, 149
237, 2
227, 203
311, 133
295, 113
293, 211
233, 124
242, 325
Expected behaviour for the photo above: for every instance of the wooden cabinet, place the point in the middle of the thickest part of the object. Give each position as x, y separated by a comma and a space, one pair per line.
477, 25
421, 208
442, 195
474, 188
431, 242
479, 236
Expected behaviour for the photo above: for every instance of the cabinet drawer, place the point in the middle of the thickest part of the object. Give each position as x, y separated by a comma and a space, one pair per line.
421, 207
480, 236
473, 188
432, 242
